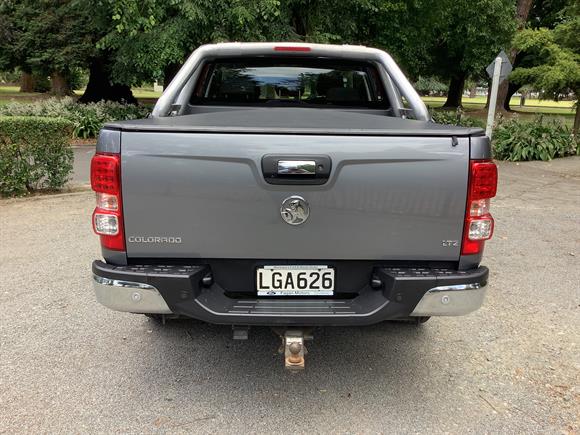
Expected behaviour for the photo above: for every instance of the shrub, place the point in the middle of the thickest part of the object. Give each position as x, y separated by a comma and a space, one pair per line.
34, 154
87, 119
41, 84
11, 76
456, 118
430, 85
537, 140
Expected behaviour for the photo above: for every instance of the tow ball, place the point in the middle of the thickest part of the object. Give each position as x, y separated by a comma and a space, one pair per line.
293, 347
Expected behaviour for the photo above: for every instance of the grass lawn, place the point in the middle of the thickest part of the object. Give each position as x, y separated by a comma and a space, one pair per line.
145, 93
7, 92
12, 93
514, 103
475, 106
137, 92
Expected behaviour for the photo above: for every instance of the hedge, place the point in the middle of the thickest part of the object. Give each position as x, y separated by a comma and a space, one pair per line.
455, 117
87, 119
520, 140
541, 139
34, 154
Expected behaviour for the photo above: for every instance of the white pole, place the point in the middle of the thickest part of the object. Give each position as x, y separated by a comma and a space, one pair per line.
493, 97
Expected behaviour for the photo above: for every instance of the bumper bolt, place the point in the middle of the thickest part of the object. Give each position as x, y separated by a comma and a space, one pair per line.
445, 300
207, 280
136, 296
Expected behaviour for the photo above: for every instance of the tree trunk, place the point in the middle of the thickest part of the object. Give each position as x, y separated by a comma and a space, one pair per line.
502, 91
26, 82
512, 89
169, 72
59, 85
522, 12
455, 94
473, 91
299, 20
100, 87
488, 95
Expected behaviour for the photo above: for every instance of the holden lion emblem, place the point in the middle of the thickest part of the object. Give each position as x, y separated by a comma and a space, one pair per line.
295, 210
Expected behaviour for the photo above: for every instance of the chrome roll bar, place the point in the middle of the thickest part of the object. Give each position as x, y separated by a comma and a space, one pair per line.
173, 93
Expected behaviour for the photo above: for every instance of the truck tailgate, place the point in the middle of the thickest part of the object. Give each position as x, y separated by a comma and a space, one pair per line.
203, 195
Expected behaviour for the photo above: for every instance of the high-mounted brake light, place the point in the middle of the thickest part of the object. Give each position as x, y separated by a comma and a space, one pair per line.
291, 48
108, 215
478, 220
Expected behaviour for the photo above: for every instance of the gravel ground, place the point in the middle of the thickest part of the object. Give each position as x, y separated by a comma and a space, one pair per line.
82, 164
69, 365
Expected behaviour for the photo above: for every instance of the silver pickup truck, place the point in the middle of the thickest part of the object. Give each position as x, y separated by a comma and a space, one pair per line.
292, 186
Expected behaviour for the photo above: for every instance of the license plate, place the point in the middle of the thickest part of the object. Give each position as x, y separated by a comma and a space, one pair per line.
295, 281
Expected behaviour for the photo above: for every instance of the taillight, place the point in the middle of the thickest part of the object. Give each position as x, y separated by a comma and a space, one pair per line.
292, 48
478, 220
108, 214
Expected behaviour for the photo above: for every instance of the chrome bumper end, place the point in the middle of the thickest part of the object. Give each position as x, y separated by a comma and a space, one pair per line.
451, 300
132, 297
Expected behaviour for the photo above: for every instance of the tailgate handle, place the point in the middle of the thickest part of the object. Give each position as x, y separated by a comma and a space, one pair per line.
296, 169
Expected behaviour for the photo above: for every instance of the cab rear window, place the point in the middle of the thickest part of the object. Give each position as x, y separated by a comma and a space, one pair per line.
293, 81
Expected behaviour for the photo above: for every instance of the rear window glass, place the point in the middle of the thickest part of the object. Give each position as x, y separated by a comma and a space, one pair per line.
279, 81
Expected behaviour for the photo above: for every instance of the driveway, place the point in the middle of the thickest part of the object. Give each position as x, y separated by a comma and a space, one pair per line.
82, 164
69, 365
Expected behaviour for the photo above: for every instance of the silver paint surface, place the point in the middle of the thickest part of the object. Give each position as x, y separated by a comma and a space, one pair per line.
386, 198
109, 141
480, 147
395, 81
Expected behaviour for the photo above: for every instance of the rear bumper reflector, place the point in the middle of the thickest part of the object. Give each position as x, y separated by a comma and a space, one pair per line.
129, 296
451, 300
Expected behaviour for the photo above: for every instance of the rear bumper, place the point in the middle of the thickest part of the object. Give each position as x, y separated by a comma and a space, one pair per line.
129, 296
451, 300
404, 292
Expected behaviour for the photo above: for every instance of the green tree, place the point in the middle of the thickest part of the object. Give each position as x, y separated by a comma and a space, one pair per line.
11, 58
559, 49
457, 39
128, 42
55, 40
538, 13
47, 37
151, 38
523, 8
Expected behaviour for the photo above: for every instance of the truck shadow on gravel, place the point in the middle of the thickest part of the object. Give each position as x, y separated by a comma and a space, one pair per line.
371, 357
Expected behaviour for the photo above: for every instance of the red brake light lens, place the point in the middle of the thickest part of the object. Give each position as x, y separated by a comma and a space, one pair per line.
105, 171
291, 48
478, 221
108, 215
483, 179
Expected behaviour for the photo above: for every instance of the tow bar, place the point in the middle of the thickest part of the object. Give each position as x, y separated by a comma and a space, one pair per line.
293, 347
